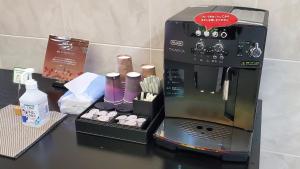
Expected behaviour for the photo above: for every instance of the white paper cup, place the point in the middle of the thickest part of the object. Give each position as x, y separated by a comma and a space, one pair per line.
122, 122
94, 111
134, 117
103, 118
141, 120
122, 117
112, 114
87, 116
102, 113
130, 123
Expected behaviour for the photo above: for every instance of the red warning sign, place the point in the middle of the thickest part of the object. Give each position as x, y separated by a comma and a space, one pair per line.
212, 20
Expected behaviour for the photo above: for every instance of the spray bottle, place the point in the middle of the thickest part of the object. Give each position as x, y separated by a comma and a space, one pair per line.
33, 103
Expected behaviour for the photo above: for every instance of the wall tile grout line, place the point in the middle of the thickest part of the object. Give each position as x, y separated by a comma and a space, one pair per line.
93, 43
157, 49
279, 153
133, 47
63, 16
283, 60
123, 46
150, 28
24, 37
256, 3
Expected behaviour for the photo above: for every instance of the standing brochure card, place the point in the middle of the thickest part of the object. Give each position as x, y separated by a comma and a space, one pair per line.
65, 58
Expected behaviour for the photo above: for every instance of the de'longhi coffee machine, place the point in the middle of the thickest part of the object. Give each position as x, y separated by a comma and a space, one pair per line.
211, 82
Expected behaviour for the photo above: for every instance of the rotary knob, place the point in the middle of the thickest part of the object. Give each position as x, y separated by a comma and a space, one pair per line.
218, 47
200, 45
223, 35
206, 33
255, 51
215, 34
198, 32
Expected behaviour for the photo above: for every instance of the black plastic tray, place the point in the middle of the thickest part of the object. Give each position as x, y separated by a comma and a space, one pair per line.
117, 131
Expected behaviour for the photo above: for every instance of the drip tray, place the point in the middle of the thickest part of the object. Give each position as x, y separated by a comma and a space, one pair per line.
208, 135
216, 139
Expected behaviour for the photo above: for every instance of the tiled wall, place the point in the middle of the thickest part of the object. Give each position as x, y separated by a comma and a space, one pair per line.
136, 27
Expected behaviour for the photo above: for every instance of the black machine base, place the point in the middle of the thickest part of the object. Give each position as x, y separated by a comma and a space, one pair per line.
231, 157
226, 142
59, 85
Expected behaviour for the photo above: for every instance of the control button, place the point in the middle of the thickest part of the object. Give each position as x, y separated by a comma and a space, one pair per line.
225, 52
255, 51
215, 34
200, 45
198, 32
206, 33
218, 47
215, 57
240, 46
240, 52
223, 35
208, 52
221, 57
193, 50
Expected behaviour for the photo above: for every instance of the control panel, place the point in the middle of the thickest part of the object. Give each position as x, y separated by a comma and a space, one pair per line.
234, 46
213, 53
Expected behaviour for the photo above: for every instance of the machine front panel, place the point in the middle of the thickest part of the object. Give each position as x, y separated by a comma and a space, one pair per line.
198, 64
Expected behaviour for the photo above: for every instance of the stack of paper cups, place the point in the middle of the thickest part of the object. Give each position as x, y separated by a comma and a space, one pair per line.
124, 66
113, 89
148, 70
132, 86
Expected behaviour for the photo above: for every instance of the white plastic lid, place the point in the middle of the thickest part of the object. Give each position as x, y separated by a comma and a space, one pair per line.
31, 84
147, 66
133, 74
112, 74
123, 56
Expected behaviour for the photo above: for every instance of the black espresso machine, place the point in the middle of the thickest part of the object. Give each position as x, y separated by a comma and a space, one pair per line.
211, 82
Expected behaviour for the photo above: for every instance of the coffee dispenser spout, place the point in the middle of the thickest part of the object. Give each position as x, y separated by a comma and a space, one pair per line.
226, 85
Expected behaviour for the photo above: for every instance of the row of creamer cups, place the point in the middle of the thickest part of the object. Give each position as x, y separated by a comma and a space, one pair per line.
105, 116
96, 114
131, 120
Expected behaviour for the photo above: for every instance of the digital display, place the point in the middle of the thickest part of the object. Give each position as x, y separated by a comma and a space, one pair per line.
174, 82
250, 63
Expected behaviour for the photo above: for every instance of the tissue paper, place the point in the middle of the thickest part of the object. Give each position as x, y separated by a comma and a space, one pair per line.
83, 92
